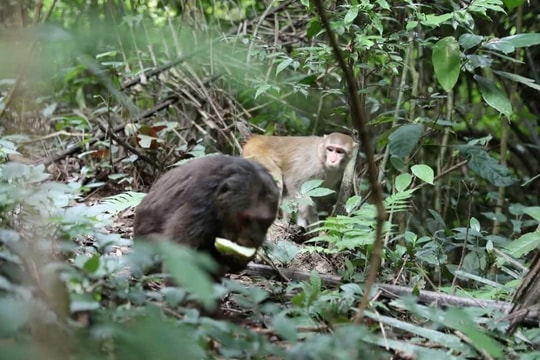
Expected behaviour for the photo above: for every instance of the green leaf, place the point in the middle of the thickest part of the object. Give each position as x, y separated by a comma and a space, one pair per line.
91, 265
438, 218
446, 62
504, 46
474, 224
404, 139
262, 89
449, 340
468, 41
150, 336
494, 96
533, 211
523, 40
403, 181
283, 65
120, 202
481, 6
284, 251
487, 167
285, 327
310, 185
423, 172
319, 192
83, 302
352, 203
14, 314
510, 4
524, 245
518, 78
314, 27
351, 14
434, 20
191, 270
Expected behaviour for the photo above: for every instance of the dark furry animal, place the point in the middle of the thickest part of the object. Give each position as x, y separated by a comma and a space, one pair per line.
209, 197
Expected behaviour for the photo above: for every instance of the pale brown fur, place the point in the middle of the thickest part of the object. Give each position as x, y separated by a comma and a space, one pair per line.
293, 160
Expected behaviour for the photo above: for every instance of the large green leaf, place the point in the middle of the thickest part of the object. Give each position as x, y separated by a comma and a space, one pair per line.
446, 62
523, 40
494, 96
524, 245
404, 139
487, 167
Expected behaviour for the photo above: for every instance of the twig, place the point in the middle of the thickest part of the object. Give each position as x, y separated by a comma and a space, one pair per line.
359, 119
387, 290
116, 129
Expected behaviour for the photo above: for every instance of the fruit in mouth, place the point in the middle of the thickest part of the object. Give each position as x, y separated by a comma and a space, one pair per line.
227, 247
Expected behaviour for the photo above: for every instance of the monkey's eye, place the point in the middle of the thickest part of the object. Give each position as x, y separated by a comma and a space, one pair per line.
330, 148
225, 186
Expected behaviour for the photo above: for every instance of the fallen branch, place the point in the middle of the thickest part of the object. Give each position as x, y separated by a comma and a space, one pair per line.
387, 291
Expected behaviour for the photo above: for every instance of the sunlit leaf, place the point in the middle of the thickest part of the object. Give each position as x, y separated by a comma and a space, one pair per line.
283, 65
475, 224
423, 172
434, 20
524, 244
351, 14
403, 181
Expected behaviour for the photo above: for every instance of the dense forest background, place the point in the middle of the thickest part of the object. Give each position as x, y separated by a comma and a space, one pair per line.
100, 97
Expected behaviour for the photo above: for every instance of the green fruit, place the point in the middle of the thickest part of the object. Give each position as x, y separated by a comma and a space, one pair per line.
227, 247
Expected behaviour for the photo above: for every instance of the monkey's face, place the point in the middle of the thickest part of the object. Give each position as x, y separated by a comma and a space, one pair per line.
246, 207
336, 157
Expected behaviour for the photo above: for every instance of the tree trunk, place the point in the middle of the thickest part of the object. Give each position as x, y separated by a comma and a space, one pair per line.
527, 298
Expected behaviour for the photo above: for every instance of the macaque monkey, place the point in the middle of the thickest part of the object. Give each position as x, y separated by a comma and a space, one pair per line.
216, 196
293, 160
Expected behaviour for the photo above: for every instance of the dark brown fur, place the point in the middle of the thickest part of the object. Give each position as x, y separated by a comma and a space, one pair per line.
209, 197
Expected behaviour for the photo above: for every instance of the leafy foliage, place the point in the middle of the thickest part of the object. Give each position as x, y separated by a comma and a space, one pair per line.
133, 87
